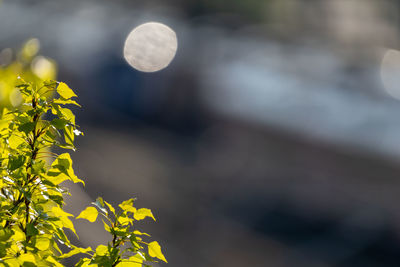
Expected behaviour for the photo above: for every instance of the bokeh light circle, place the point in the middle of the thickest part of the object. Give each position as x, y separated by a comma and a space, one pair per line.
390, 73
150, 47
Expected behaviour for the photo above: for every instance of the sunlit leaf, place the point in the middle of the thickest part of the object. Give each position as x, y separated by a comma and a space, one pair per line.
110, 207
140, 214
107, 227
61, 170
66, 102
137, 232
53, 261
26, 258
127, 205
42, 243
64, 91
90, 214
101, 250
134, 261
14, 141
75, 251
68, 115
155, 251
63, 217
12, 262
123, 220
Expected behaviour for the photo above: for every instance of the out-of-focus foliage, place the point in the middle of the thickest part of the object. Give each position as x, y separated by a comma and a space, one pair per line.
32, 219
26, 63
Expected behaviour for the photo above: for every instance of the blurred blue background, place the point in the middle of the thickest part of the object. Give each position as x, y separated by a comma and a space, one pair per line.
270, 140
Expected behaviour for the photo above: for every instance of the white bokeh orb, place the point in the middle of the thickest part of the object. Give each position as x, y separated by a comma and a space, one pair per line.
390, 73
150, 47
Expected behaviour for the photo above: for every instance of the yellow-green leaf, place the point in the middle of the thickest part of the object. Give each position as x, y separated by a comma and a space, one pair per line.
28, 257
12, 262
90, 214
136, 232
42, 243
66, 102
127, 205
140, 214
86, 263
64, 91
110, 207
51, 260
75, 251
63, 217
124, 220
106, 227
61, 170
134, 261
155, 251
68, 115
101, 250
14, 141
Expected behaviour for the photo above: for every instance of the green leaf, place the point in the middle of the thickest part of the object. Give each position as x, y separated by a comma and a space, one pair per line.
16, 162
59, 123
155, 251
38, 167
26, 127
5, 234
90, 214
64, 91
31, 230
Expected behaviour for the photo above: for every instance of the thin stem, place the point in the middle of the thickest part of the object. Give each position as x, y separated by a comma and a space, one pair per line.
29, 177
114, 240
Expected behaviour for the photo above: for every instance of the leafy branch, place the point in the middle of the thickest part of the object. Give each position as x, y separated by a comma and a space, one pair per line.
32, 219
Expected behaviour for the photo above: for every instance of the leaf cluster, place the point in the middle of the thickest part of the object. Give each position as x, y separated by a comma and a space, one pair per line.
32, 219
128, 246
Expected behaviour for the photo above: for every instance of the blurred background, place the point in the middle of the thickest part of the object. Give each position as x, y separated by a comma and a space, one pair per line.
272, 138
